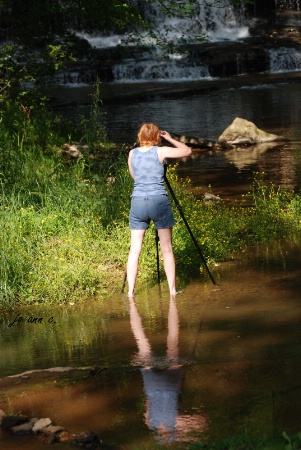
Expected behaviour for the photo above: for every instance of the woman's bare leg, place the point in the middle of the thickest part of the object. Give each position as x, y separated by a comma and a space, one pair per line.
133, 259
165, 235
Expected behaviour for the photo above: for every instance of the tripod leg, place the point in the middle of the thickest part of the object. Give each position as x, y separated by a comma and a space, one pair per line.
124, 281
189, 230
158, 260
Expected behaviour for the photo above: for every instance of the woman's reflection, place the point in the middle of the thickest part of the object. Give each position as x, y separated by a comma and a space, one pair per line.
161, 386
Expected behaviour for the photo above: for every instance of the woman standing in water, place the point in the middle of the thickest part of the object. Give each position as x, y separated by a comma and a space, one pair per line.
149, 199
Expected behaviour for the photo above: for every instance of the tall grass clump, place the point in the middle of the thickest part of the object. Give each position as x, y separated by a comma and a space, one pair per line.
57, 220
247, 441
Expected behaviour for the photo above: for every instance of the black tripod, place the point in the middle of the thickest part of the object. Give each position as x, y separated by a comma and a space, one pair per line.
189, 230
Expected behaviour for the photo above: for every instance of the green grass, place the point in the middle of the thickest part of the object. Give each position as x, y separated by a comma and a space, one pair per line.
64, 225
283, 441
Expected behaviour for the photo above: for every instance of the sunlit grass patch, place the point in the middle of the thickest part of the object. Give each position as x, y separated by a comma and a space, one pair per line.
64, 225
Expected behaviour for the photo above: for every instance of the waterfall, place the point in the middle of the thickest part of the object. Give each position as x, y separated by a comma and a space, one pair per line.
211, 42
284, 60
171, 69
212, 20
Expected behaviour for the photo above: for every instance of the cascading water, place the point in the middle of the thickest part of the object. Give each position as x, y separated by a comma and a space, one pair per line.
211, 21
158, 69
284, 60
216, 36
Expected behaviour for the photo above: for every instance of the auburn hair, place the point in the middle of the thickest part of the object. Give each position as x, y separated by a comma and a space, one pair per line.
149, 134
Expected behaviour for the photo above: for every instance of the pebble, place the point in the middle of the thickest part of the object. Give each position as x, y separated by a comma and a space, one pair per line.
21, 425
40, 424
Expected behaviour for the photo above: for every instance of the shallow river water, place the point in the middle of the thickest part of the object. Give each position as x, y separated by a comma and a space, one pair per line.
218, 360
271, 102
214, 362
273, 107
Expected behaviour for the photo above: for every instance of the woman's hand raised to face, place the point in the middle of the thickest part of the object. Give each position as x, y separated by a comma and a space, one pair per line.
165, 135
179, 149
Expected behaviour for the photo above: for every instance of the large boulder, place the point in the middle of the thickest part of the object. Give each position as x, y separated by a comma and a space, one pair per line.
243, 132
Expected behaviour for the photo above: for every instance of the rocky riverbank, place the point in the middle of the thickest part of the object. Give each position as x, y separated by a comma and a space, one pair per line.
24, 408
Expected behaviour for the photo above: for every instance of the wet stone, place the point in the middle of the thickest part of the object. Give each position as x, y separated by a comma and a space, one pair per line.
65, 436
22, 425
40, 424
2, 414
52, 429
24, 428
87, 438
51, 439
8, 422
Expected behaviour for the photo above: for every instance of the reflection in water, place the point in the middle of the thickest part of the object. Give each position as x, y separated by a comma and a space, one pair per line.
238, 349
162, 385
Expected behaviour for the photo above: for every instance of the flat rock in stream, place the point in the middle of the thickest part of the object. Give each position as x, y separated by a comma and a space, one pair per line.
24, 428
40, 424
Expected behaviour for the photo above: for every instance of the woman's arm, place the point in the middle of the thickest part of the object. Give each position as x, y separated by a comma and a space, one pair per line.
180, 150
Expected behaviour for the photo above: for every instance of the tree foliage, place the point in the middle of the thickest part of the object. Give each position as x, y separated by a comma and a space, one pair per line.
37, 21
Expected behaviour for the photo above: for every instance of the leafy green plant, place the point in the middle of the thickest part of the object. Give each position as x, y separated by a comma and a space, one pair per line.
292, 442
92, 126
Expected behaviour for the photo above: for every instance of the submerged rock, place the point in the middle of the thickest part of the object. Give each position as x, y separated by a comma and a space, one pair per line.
8, 422
23, 425
87, 438
194, 142
211, 197
52, 429
24, 428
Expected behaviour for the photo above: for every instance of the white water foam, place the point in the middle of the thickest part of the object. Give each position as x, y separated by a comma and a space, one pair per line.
102, 41
211, 21
284, 60
154, 70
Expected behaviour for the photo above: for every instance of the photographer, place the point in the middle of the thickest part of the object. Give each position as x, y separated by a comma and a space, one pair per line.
149, 199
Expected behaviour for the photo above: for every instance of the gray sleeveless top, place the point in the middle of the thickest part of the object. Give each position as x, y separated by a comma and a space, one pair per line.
148, 173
